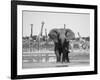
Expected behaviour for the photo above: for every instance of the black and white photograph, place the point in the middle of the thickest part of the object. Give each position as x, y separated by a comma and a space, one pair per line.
54, 39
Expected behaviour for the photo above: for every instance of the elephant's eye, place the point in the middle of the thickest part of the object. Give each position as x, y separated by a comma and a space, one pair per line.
53, 36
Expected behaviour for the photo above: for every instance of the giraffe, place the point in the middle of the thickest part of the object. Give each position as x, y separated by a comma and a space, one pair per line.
30, 39
83, 44
41, 32
40, 35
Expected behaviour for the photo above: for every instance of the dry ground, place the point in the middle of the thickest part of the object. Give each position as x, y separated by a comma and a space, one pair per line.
78, 58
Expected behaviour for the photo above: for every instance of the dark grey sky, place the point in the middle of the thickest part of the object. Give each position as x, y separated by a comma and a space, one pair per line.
77, 22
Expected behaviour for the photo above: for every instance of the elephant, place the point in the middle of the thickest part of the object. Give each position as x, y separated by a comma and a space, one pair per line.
61, 38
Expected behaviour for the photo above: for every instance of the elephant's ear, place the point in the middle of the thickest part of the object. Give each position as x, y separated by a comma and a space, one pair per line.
69, 34
53, 34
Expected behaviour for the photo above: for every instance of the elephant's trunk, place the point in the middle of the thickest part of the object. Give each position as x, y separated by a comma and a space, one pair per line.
62, 39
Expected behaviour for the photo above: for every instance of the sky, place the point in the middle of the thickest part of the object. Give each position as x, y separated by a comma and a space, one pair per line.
77, 22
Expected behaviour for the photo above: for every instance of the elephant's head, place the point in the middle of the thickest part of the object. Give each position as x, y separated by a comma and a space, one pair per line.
61, 35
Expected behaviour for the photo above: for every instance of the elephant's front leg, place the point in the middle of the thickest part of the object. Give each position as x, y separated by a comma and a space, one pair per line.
57, 52
67, 52
57, 55
65, 56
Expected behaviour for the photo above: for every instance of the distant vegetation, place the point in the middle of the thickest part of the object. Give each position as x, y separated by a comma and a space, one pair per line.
44, 38
33, 44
